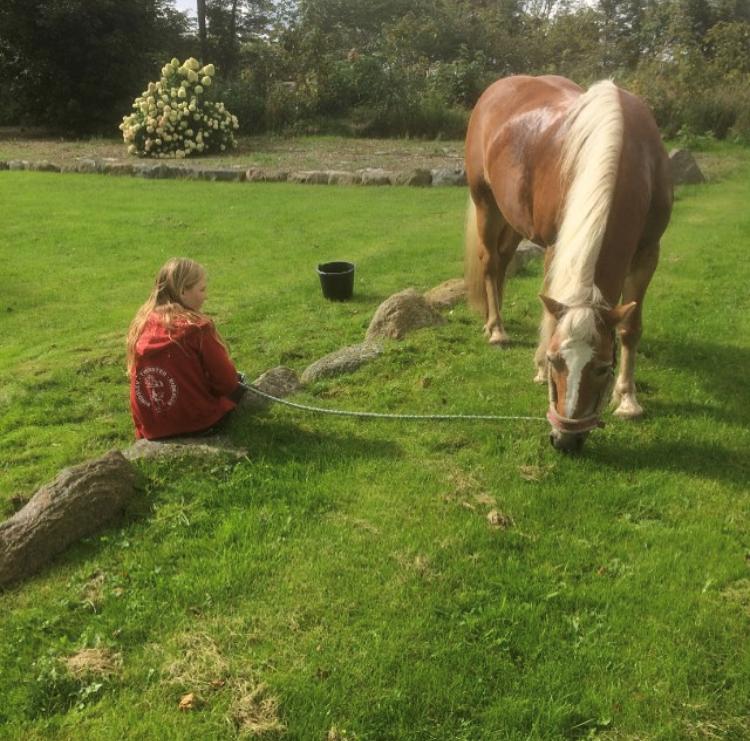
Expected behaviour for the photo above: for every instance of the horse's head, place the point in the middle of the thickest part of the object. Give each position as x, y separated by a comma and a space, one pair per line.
581, 369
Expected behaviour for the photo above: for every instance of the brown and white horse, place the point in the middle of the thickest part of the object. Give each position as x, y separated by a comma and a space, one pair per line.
584, 174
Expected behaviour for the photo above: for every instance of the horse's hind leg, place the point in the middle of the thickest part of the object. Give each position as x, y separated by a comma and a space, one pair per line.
636, 283
497, 244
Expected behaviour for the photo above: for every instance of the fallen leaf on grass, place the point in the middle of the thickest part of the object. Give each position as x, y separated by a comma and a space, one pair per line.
188, 702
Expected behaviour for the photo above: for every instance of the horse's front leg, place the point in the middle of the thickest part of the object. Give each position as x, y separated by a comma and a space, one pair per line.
546, 328
636, 283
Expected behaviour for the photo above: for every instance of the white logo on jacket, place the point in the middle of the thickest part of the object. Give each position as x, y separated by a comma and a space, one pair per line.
155, 388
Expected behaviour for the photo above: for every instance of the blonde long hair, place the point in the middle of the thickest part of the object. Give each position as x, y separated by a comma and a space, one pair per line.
176, 275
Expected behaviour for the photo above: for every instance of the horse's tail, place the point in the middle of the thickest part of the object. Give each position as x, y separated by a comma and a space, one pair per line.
473, 277
590, 159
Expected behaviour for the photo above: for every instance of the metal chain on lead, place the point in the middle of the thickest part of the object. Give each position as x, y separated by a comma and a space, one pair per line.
380, 415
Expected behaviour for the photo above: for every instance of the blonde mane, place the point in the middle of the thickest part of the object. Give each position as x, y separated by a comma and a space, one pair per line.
590, 159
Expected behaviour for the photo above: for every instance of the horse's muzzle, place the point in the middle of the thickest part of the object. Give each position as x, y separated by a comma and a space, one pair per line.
566, 442
568, 435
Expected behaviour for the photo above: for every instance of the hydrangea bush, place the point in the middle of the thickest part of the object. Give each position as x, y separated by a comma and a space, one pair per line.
172, 118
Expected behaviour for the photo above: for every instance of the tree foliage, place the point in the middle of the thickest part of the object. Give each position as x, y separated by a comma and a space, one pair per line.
407, 67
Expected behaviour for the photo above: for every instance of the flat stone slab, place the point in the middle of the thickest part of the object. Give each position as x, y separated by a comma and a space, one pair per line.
178, 446
345, 360
400, 314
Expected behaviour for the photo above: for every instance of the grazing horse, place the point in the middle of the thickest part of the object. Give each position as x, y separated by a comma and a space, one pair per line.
585, 175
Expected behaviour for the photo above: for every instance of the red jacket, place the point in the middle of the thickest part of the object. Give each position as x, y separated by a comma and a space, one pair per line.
181, 379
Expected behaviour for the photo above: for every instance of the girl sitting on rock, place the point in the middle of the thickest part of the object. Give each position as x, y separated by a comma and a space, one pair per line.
182, 380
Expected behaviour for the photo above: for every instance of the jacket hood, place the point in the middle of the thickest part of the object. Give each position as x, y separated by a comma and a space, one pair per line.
155, 336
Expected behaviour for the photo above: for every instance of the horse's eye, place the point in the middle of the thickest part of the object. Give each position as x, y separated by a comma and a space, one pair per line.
602, 370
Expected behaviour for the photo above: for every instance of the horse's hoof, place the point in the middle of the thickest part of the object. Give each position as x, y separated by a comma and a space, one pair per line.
629, 409
499, 339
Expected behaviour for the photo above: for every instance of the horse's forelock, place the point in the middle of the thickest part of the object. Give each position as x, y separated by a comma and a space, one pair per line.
579, 324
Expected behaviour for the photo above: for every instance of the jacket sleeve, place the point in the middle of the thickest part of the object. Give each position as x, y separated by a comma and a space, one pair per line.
219, 369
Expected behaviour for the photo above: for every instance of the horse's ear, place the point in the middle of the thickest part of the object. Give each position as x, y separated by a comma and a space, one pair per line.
553, 307
619, 314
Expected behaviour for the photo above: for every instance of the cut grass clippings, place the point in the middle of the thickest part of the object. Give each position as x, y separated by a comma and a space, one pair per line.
370, 579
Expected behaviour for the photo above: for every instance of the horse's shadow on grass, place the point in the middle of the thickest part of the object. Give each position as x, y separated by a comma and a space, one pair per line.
701, 460
718, 371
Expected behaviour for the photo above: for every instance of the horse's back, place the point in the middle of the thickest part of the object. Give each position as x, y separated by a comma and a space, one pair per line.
512, 149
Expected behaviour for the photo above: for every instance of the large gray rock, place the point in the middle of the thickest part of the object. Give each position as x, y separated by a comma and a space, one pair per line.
279, 382
447, 294
526, 253
685, 170
80, 501
345, 360
400, 314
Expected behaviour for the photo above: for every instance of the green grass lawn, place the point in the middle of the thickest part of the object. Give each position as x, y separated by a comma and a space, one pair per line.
343, 580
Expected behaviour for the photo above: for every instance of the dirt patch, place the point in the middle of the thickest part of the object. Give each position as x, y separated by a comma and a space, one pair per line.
253, 711
202, 669
309, 153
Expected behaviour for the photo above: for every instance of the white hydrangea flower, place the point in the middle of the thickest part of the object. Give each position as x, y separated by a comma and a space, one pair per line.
206, 81
198, 89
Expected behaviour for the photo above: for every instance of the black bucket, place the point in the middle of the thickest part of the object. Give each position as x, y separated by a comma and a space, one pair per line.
337, 280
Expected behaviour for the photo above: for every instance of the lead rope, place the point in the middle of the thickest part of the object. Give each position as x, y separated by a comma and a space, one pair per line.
380, 415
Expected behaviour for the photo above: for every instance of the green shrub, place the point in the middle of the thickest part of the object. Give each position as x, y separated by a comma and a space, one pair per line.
172, 118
